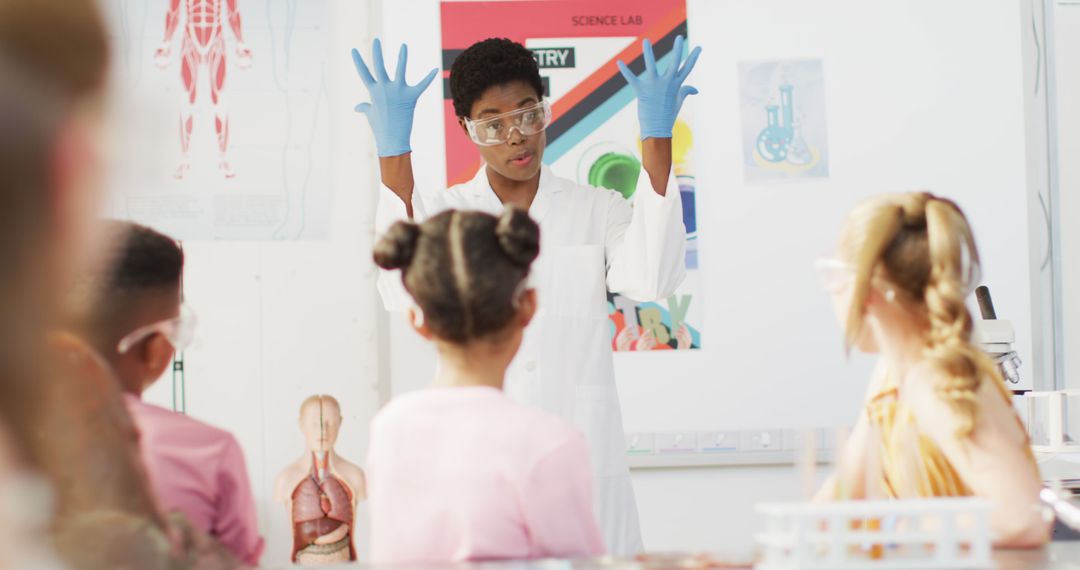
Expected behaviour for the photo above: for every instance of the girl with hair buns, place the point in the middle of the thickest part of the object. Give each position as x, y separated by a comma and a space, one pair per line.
937, 420
459, 471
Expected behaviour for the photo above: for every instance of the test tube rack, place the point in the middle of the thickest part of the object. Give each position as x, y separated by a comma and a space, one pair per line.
917, 534
1047, 417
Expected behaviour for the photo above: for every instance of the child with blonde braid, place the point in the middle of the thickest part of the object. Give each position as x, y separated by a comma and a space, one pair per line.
937, 420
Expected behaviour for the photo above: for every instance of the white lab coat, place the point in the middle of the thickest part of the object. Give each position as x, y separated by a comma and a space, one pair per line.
591, 240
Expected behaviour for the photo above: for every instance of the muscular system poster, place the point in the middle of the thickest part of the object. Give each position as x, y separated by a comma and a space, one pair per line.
226, 134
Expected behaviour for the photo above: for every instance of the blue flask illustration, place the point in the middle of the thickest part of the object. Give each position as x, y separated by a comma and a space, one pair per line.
774, 142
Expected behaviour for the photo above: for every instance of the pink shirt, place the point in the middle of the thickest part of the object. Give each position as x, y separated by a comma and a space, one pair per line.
199, 470
460, 474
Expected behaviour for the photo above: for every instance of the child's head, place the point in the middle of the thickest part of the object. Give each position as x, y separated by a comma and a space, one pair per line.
467, 273
500, 78
64, 46
77, 66
136, 321
905, 264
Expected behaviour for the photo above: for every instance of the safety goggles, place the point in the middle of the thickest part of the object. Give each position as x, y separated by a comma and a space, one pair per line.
497, 130
179, 331
835, 276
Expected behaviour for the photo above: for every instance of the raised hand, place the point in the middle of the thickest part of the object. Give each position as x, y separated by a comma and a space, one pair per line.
661, 94
393, 102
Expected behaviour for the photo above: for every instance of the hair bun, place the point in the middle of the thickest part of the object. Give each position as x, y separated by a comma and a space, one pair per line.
518, 235
396, 248
913, 209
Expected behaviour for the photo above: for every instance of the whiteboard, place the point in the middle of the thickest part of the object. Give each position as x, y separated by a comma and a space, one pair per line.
920, 94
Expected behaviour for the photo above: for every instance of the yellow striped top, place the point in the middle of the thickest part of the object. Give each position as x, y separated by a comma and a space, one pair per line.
911, 464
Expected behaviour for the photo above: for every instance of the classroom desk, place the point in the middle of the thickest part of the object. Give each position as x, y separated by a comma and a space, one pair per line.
1056, 556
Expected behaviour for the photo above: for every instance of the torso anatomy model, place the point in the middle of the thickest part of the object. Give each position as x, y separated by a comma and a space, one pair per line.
321, 489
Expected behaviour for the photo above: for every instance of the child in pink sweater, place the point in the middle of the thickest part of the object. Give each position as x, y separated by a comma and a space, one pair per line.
459, 471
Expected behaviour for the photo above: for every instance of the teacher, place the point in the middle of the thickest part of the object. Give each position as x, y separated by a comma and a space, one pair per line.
592, 239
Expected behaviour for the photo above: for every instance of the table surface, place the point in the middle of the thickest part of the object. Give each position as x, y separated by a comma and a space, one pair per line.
1056, 556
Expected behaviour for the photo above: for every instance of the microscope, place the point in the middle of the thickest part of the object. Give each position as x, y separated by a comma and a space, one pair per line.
995, 337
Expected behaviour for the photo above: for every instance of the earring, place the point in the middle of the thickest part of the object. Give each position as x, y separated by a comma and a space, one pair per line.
417, 317
890, 295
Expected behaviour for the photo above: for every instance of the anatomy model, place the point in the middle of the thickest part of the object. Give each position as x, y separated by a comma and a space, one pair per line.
321, 489
203, 47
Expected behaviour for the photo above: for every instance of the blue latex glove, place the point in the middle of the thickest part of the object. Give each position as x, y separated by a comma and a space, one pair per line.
390, 111
661, 95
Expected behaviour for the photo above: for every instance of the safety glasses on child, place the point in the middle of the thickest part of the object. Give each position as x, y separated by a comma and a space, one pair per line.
496, 130
178, 331
835, 276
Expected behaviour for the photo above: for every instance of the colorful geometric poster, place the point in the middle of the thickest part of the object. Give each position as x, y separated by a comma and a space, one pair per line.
594, 136
226, 118
784, 127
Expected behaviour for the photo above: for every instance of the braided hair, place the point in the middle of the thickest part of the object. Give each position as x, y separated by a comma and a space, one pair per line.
923, 245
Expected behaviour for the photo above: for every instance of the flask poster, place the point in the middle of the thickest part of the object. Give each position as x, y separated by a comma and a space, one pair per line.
784, 127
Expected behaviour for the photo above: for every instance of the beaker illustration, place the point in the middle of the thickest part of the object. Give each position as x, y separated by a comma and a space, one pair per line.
798, 152
775, 139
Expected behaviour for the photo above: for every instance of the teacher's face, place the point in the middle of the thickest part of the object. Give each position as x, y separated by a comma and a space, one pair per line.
519, 158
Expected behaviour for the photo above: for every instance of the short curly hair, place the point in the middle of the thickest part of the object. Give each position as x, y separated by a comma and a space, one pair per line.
141, 262
491, 62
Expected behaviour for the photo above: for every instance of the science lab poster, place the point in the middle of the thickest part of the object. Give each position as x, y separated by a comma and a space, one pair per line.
594, 136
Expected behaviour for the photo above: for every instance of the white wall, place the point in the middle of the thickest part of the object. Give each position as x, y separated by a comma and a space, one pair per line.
281, 321
1066, 75
1043, 358
712, 509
